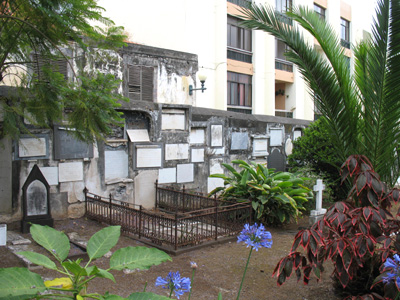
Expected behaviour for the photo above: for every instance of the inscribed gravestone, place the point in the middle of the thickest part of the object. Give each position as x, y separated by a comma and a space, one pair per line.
173, 119
276, 160
198, 155
276, 136
167, 175
288, 146
260, 146
296, 134
51, 174
148, 156
116, 164
176, 151
32, 147
72, 171
138, 135
184, 173
67, 146
36, 199
216, 136
239, 140
197, 136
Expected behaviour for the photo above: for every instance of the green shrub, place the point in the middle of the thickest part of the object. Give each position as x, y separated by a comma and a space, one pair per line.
314, 151
277, 197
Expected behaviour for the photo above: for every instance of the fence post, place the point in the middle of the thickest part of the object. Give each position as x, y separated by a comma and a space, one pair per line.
216, 217
140, 221
110, 205
85, 190
176, 231
183, 198
157, 193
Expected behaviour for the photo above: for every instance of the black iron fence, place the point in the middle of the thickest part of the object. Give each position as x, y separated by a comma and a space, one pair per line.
186, 220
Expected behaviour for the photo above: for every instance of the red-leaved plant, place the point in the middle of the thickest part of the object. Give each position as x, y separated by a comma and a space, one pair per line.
357, 235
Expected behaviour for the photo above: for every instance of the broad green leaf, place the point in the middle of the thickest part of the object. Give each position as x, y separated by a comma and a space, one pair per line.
285, 184
75, 268
38, 259
94, 270
145, 296
63, 282
102, 241
137, 258
219, 296
54, 241
113, 297
254, 205
298, 192
282, 176
20, 282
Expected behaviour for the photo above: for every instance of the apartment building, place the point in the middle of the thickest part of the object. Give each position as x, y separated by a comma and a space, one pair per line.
246, 70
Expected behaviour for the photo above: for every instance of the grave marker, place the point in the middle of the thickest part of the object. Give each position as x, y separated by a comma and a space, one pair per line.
319, 212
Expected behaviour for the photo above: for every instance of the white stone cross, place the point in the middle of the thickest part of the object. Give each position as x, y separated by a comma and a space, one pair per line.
319, 188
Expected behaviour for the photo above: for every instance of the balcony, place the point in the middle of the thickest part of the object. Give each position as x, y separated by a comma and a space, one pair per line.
283, 113
284, 18
345, 44
240, 55
240, 109
242, 3
283, 65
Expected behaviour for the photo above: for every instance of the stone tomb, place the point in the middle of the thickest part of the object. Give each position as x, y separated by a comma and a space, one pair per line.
276, 160
36, 200
239, 141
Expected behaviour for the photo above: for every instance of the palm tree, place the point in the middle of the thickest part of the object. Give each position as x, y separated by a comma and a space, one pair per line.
361, 110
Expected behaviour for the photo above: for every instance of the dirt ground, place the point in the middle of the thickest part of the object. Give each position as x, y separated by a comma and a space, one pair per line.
220, 269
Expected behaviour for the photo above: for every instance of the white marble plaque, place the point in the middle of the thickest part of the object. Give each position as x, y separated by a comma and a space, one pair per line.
36, 199
176, 151
145, 188
288, 146
197, 136
216, 167
148, 156
30, 147
276, 136
116, 164
296, 134
72, 171
239, 140
216, 135
260, 147
173, 119
167, 175
138, 135
198, 155
213, 183
51, 174
184, 173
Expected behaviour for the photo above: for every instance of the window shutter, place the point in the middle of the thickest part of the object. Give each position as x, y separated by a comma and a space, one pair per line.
58, 65
140, 83
147, 83
134, 82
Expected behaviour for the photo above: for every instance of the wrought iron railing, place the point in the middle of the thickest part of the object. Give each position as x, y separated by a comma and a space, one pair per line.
283, 65
240, 55
284, 18
242, 3
193, 219
283, 113
345, 44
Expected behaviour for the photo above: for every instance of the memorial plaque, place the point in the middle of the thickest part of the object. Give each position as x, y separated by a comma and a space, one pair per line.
288, 146
197, 136
184, 173
176, 151
276, 136
116, 164
138, 135
167, 175
51, 174
173, 119
72, 171
30, 147
276, 160
216, 167
213, 183
260, 146
36, 200
67, 146
148, 156
239, 141
216, 136
198, 155
296, 134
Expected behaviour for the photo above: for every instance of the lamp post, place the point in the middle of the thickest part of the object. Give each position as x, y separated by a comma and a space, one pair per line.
202, 77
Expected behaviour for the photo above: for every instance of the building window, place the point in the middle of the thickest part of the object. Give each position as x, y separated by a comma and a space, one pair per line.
239, 90
320, 11
55, 64
284, 5
242, 3
239, 41
345, 33
280, 59
140, 83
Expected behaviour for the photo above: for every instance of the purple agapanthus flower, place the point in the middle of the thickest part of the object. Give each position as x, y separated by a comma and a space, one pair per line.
255, 236
174, 282
392, 270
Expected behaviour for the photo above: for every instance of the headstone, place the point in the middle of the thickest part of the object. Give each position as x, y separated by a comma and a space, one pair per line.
173, 119
296, 134
260, 146
197, 155
288, 146
319, 212
216, 136
148, 156
239, 141
167, 175
276, 136
176, 151
213, 183
145, 189
276, 160
36, 200
72, 171
67, 146
216, 167
32, 147
116, 164
184, 173
197, 136
138, 135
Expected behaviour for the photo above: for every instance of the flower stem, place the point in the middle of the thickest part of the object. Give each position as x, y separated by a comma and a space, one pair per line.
191, 287
170, 294
244, 273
